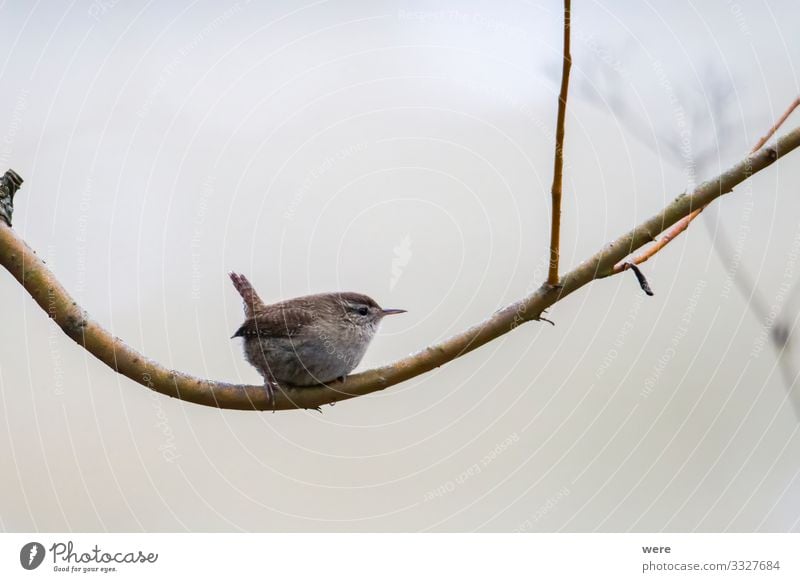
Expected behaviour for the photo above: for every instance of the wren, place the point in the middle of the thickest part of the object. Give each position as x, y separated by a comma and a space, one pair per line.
308, 340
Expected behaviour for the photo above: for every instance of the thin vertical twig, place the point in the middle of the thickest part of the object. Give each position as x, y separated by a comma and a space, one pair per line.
558, 158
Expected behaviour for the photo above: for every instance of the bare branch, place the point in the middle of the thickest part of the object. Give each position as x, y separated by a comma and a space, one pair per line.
33, 274
665, 239
558, 156
766, 137
686, 221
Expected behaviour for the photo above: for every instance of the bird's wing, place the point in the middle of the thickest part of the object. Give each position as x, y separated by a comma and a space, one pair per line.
279, 322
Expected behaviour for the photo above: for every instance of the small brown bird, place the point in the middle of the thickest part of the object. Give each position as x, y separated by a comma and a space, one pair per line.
307, 340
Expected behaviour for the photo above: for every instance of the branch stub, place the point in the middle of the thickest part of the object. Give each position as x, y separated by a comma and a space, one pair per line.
9, 184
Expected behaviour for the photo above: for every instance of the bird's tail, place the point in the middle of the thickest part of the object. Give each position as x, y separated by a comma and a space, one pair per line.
252, 302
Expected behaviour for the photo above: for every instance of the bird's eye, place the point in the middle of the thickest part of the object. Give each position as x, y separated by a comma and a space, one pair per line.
362, 310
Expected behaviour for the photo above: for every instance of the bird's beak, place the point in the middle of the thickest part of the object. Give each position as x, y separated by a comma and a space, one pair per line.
392, 311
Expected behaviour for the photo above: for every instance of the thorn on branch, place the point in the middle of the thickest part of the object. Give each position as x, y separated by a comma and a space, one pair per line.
639, 277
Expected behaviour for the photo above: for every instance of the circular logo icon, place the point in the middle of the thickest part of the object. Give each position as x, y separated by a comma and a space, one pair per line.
31, 555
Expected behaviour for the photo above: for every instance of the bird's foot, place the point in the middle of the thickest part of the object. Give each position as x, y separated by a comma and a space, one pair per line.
270, 386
